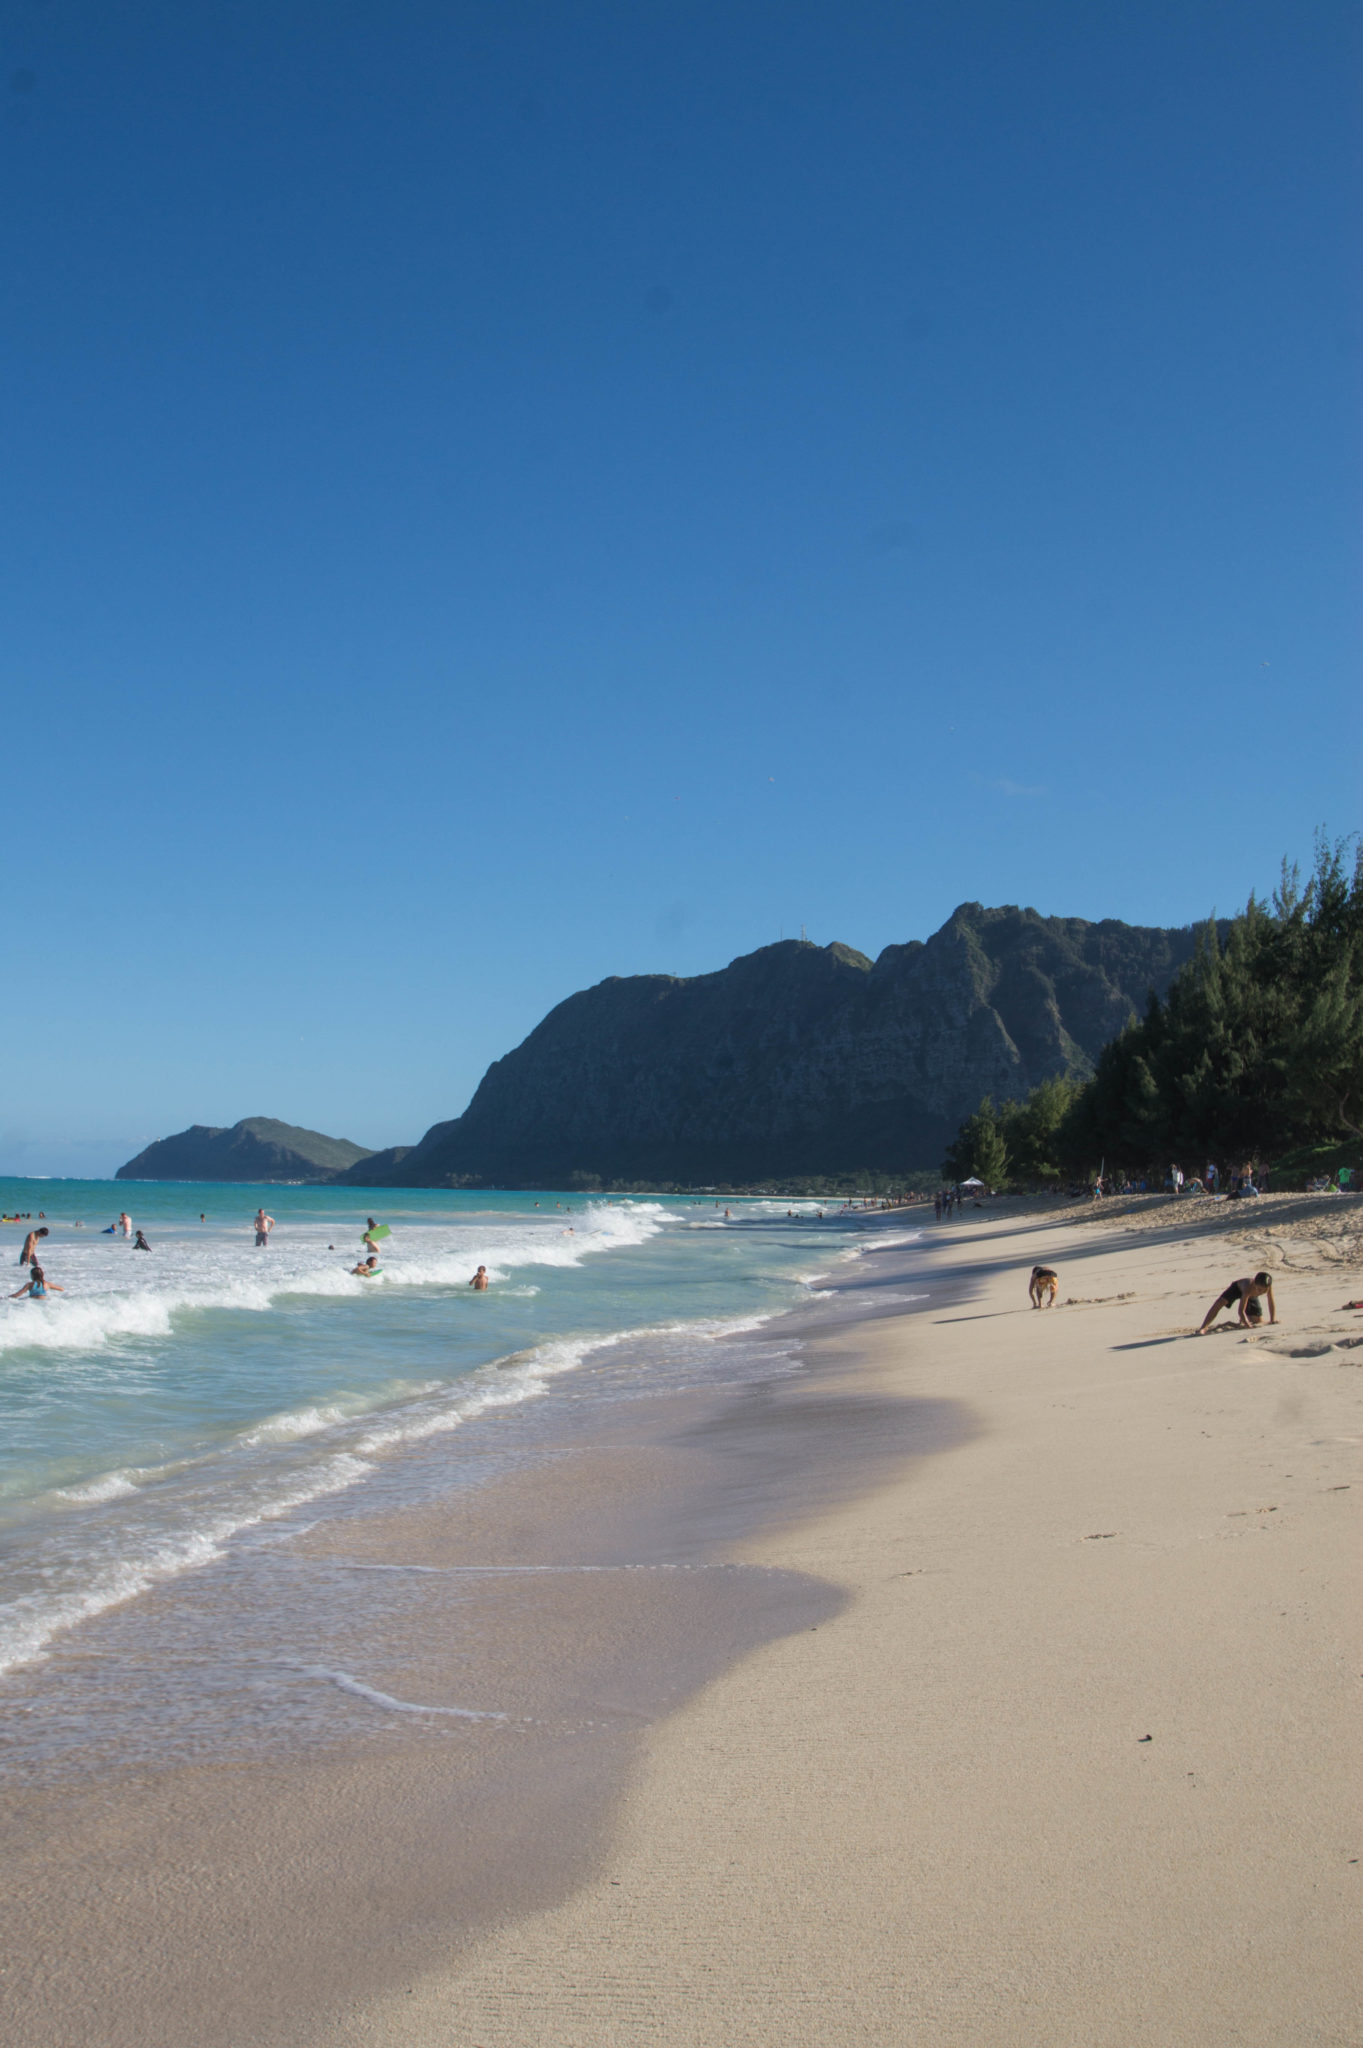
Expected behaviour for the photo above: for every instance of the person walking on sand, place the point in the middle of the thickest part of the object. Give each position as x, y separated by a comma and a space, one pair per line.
264, 1225
1243, 1296
479, 1281
1043, 1281
27, 1253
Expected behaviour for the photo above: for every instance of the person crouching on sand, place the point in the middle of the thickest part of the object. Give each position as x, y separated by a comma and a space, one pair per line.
1043, 1281
1243, 1295
479, 1281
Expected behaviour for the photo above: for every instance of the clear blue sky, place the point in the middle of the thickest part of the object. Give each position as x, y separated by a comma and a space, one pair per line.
499, 496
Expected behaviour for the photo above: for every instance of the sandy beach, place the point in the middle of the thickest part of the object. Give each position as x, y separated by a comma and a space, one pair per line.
988, 1680
1077, 1760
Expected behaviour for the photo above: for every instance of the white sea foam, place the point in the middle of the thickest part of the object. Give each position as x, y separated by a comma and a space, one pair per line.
29, 1623
236, 1454
113, 1293
375, 1698
112, 1486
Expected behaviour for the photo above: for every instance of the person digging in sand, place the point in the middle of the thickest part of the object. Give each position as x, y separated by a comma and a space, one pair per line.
1243, 1295
1043, 1281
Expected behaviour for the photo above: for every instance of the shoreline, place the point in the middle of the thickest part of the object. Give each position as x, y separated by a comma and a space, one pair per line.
788, 1754
531, 1626
1074, 1761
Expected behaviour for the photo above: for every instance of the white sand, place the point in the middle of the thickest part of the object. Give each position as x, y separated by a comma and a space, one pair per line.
934, 1819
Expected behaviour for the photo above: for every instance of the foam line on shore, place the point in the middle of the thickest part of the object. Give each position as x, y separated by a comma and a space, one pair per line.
375, 1698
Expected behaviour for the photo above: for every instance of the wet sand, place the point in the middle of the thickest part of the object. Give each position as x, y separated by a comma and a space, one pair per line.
524, 1638
826, 1703
1075, 1759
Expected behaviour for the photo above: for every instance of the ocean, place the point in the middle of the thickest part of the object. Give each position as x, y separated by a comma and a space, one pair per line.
176, 1417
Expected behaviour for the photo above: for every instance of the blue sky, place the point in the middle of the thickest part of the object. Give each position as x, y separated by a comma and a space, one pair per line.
497, 497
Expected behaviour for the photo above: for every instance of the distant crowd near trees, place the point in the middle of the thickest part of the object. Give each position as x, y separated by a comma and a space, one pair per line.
1256, 1051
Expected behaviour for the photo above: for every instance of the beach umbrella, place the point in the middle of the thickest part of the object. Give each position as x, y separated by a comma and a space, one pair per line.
973, 1182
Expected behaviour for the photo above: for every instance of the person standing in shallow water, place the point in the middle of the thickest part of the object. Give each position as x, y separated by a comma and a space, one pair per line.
263, 1226
479, 1281
29, 1243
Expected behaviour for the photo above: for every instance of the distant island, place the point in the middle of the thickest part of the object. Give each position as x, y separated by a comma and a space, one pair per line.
259, 1148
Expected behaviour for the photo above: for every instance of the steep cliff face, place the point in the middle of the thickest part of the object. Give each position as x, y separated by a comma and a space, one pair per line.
798, 1059
259, 1148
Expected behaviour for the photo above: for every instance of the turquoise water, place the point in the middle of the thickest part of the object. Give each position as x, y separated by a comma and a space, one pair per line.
167, 1402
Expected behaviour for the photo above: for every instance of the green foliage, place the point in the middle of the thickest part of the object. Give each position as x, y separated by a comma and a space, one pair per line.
1255, 1052
1032, 1130
1257, 1048
979, 1148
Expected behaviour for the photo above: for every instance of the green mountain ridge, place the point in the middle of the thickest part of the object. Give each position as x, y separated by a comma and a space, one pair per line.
796, 1059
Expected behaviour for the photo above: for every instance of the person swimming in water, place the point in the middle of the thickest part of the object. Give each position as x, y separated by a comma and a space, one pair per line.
1243, 1296
140, 1243
479, 1282
29, 1242
37, 1285
1043, 1281
367, 1268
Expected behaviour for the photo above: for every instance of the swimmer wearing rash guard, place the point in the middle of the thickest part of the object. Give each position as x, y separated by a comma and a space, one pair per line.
38, 1285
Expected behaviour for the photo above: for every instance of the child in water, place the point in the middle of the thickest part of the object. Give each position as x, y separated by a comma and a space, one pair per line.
37, 1285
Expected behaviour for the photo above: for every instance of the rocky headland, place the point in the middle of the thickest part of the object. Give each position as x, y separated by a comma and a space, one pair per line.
796, 1059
